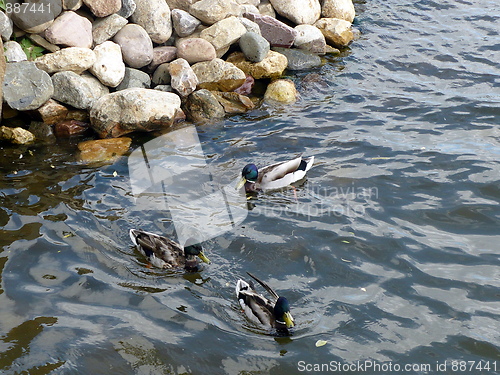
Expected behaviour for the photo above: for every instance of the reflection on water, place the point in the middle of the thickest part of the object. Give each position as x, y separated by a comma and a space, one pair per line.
387, 251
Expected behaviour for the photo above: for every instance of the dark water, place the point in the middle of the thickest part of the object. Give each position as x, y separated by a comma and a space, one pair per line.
389, 253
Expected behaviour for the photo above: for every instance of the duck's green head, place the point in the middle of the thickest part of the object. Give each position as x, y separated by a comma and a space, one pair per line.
196, 250
282, 312
249, 173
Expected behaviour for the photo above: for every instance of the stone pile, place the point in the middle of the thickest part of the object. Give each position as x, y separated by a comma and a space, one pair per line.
143, 65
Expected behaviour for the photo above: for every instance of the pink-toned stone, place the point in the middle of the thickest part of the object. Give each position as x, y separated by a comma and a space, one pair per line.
162, 55
103, 8
184, 80
246, 87
277, 33
195, 50
71, 30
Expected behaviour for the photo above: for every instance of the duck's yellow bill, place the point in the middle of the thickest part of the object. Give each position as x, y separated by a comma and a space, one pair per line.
288, 320
203, 257
241, 183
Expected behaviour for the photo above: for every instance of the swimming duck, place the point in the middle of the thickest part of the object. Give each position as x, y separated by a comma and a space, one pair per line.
275, 176
162, 252
260, 309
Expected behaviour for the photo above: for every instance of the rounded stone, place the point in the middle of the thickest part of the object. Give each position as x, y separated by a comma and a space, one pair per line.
195, 50
136, 45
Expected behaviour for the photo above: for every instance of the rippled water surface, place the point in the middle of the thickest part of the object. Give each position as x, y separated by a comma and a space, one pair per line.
389, 251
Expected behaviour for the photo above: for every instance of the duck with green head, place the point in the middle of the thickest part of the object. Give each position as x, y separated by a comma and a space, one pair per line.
261, 310
275, 176
162, 252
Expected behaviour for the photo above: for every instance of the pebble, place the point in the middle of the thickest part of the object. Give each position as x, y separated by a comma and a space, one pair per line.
6, 26
50, 113
25, 86
161, 76
224, 33
202, 106
37, 22
342, 9
17, 135
299, 60
162, 55
14, 52
183, 79
281, 90
336, 31
310, 38
195, 50
134, 78
103, 8
254, 46
298, 11
276, 32
108, 67
68, 128
104, 29
103, 150
70, 29
127, 9
218, 75
75, 59
132, 110
183, 23
72, 4
154, 17
136, 45
272, 66
212, 11
79, 91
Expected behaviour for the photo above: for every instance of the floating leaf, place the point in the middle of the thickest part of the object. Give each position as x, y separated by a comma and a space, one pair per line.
363, 289
321, 343
115, 174
345, 241
346, 260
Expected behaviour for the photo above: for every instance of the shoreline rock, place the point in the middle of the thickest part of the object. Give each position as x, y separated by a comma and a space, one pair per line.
142, 65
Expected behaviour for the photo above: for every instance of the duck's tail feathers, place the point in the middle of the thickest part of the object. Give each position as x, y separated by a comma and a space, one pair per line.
306, 164
264, 285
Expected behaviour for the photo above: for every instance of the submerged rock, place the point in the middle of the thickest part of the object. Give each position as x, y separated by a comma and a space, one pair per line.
103, 150
299, 60
17, 136
25, 86
203, 106
132, 110
50, 113
281, 90
68, 128
233, 102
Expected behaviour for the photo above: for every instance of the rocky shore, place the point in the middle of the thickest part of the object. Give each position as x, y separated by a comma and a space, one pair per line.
120, 66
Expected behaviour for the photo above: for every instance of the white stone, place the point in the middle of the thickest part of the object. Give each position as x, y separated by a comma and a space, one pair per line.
154, 17
183, 79
212, 11
108, 67
224, 33
310, 38
342, 9
75, 59
14, 52
298, 11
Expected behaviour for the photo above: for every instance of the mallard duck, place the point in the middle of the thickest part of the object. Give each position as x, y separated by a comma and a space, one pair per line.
261, 310
162, 252
275, 176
